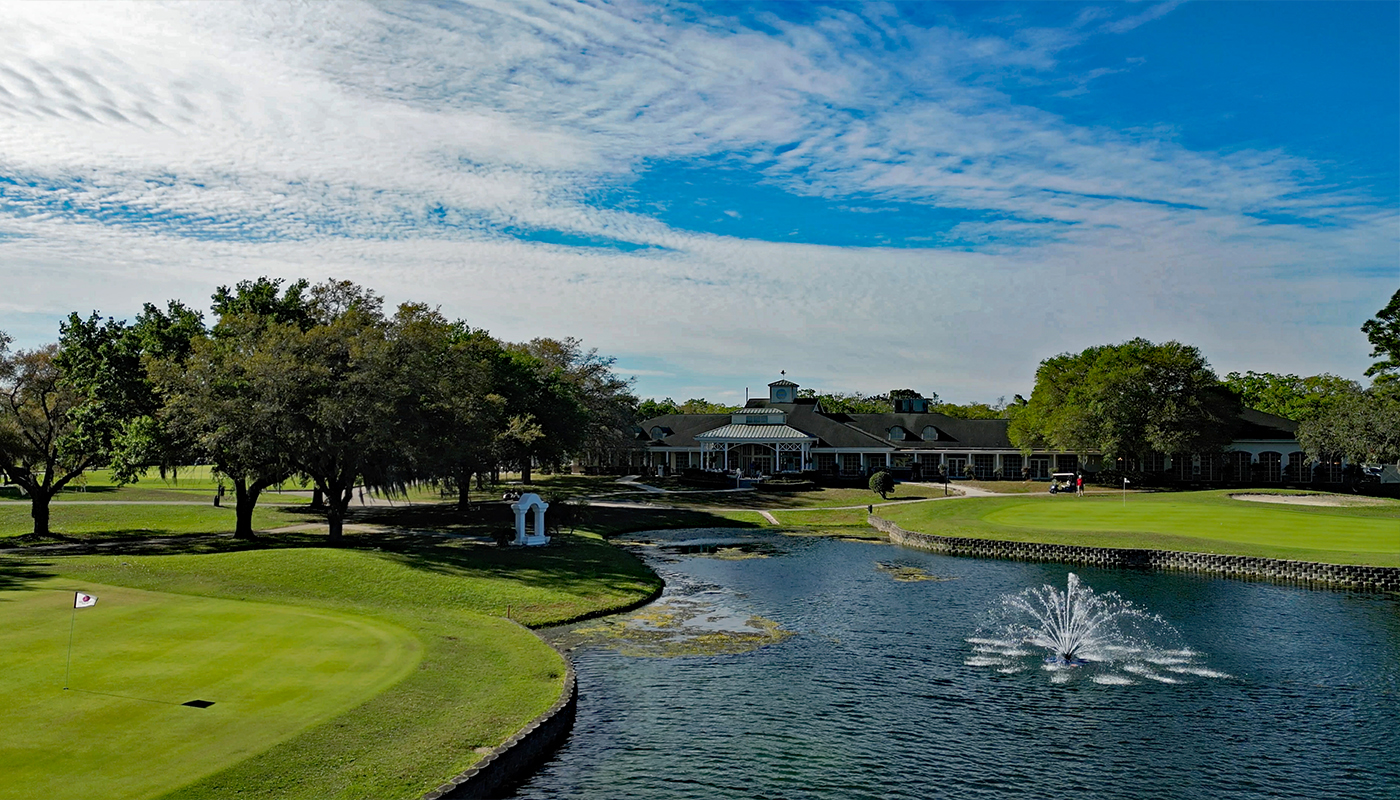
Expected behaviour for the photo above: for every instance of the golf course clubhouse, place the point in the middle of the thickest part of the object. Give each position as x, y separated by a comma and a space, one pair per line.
785, 434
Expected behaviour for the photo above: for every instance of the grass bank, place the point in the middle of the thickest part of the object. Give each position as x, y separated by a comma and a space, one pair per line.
1203, 522
474, 677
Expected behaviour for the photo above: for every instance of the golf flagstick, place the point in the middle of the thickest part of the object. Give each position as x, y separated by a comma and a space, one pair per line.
80, 600
1125, 492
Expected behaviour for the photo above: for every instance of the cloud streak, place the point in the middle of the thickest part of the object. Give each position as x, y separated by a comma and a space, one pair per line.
157, 150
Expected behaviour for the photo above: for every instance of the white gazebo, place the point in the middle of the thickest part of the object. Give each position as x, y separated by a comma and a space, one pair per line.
522, 506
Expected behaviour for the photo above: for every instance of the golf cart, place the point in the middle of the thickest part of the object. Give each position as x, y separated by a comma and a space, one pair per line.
1062, 482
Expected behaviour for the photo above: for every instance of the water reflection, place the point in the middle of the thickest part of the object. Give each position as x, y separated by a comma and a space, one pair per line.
872, 696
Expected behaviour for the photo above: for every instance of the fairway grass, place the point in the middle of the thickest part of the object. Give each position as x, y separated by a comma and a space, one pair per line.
473, 678
1202, 522
117, 521
271, 671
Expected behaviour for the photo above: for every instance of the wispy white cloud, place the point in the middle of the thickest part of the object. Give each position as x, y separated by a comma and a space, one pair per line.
162, 149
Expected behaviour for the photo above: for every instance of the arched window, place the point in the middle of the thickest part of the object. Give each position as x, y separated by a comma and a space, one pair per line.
930, 433
896, 434
658, 432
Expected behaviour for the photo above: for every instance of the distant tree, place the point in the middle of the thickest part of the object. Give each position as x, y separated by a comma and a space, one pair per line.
341, 387
1362, 426
64, 405
265, 299
702, 406
226, 396
1383, 331
850, 403
1290, 396
882, 483
160, 337
593, 409
971, 411
651, 408
1127, 399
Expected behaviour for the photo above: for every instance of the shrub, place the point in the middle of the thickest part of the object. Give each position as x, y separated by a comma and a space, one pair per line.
882, 483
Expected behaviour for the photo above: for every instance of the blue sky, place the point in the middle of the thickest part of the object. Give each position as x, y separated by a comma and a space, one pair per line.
923, 195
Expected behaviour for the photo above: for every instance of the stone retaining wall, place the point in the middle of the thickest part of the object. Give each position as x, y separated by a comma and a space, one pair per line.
1338, 575
510, 763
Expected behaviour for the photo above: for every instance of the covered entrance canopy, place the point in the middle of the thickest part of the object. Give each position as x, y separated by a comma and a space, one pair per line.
756, 449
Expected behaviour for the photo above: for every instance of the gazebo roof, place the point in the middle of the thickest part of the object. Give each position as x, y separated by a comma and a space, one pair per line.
755, 433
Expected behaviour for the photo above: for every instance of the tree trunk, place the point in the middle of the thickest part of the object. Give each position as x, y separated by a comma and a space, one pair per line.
525, 470
338, 499
464, 490
246, 498
39, 510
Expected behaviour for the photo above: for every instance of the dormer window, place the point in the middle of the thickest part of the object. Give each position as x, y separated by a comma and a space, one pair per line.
930, 433
658, 432
896, 434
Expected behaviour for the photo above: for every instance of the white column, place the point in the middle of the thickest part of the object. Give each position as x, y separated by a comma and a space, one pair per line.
889, 458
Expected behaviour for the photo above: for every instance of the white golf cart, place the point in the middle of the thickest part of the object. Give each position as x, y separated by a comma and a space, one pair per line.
1062, 482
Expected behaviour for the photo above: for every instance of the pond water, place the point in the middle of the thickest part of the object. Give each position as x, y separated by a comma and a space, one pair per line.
858, 678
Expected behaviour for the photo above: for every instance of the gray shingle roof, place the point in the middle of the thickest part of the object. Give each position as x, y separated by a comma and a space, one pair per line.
755, 432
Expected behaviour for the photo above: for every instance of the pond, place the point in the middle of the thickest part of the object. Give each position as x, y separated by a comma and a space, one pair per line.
786, 666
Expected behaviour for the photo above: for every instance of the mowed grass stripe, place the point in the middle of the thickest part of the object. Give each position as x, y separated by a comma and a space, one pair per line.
114, 521
119, 731
1209, 522
1270, 525
479, 679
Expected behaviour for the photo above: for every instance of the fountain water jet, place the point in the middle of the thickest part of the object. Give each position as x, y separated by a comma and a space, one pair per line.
1079, 628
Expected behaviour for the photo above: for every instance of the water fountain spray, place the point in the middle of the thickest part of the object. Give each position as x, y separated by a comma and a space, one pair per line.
1078, 628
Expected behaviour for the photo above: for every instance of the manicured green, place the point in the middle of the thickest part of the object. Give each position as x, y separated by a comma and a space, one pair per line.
119, 521
479, 677
822, 498
1207, 522
120, 730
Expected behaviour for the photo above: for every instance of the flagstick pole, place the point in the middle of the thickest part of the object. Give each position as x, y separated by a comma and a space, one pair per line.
67, 670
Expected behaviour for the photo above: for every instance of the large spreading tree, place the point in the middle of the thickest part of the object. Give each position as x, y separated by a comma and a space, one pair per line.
64, 406
226, 397
1127, 400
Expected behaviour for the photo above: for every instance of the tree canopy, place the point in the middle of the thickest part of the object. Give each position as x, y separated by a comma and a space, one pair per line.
651, 408
1383, 331
313, 382
66, 405
1127, 399
1290, 396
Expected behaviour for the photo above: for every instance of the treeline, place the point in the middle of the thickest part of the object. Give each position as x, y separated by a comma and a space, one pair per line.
317, 383
1138, 397
837, 403
1132, 399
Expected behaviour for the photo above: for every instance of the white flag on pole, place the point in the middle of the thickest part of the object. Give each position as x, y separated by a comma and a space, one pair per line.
83, 600
1125, 481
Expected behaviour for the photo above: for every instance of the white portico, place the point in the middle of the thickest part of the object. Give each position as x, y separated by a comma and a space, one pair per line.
529, 502
757, 441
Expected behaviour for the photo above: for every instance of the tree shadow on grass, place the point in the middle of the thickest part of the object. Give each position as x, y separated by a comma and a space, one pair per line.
18, 573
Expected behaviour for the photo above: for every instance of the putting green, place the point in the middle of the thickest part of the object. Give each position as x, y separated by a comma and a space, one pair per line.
120, 729
1222, 520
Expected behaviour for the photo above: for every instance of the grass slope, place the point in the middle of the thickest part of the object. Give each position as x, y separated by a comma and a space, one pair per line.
1208, 522
478, 679
271, 672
